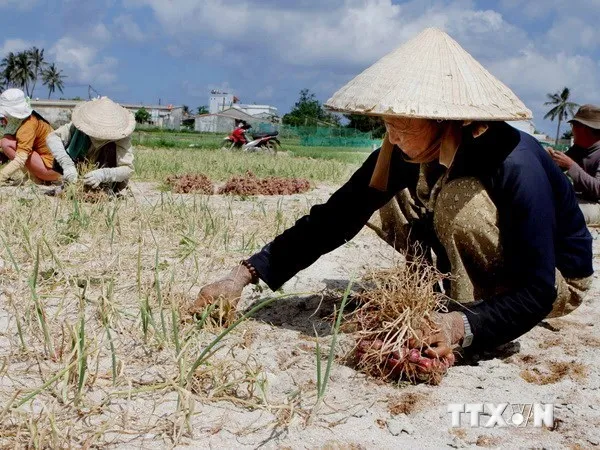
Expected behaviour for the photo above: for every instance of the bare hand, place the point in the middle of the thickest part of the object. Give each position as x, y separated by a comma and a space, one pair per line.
393, 362
228, 290
430, 353
562, 160
439, 335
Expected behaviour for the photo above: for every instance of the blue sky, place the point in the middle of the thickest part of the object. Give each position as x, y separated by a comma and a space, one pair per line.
265, 51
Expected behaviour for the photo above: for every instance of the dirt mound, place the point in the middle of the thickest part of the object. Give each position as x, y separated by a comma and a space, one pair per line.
249, 184
195, 182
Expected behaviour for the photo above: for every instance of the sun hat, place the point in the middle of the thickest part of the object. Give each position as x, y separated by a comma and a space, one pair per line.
13, 103
588, 115
432, 77
103, 119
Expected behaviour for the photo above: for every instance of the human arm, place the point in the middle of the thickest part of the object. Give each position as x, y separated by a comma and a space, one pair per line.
56, 142
588, 185
122, 172
331, 224
25, 137
525, 200
326, 227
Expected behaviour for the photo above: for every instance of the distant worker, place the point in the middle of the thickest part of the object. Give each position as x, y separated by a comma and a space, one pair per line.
100, 134
582, 161
24, 140
239, 133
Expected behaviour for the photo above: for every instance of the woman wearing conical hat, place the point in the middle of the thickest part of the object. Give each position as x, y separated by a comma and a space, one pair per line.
455, 178
99, 133
24, 141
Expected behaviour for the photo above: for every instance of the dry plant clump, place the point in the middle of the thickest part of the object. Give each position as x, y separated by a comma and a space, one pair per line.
249, 184
191, 182
487, 441
395, 303
407, 403
555, 372
84, 194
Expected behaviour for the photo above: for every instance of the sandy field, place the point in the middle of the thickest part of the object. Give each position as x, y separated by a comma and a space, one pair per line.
258, 388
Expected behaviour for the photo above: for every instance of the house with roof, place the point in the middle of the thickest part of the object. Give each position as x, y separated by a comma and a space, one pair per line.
225, 112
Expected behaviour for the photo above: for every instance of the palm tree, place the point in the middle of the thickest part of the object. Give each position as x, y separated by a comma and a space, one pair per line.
185, 109
7, 65
202, 110
22, 73
562, 108
53, 79
36, 56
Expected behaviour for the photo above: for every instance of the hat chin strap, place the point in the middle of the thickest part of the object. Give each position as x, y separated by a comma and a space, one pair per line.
381, 173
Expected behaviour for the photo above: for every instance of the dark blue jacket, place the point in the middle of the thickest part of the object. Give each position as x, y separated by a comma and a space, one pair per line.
541, 227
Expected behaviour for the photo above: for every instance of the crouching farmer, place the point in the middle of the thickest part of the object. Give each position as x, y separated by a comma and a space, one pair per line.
100, 135
582, 161
24, 140
454, 178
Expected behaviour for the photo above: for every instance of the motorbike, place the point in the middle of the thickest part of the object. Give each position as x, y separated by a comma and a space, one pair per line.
260, 142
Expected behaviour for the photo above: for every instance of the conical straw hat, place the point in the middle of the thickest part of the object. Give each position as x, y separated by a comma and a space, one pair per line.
103, 119
430, 77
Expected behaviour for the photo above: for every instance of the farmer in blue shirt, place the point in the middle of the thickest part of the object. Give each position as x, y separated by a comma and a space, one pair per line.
486, 198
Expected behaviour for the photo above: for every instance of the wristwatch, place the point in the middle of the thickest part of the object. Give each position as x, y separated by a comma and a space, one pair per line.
468, 339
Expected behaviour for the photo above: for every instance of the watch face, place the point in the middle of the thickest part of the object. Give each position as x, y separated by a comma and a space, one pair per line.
467, 340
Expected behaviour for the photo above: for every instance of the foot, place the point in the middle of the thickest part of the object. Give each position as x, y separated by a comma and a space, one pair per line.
227, 290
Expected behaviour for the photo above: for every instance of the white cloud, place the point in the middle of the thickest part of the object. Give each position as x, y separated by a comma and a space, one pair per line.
99, 34
129, 29
537, 10
81, 62
572, 33
323, 44
532, 75
15, 45
347, 32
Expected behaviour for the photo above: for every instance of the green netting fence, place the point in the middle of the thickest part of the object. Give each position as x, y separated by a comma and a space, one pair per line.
328, 136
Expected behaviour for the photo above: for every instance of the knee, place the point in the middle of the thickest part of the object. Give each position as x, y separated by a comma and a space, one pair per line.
8, 143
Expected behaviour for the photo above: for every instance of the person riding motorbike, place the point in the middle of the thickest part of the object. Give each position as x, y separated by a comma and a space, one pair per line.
238, 135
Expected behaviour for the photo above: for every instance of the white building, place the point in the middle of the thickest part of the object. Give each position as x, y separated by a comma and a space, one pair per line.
220, 101
258, 110
524, 125
223, 121
58, 112
528, 126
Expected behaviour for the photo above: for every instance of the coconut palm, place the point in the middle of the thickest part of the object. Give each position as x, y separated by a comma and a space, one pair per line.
36, 56
7, 65
562, 108
53, 79
22, 73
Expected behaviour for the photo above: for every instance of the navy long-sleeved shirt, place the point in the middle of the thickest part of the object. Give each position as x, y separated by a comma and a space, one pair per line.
541, 227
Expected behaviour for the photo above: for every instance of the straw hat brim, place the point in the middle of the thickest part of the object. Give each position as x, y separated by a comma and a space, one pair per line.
430, 77
595, 124
103, 119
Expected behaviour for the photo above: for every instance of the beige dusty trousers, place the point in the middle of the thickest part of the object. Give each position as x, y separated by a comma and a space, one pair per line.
465, 221
591, 212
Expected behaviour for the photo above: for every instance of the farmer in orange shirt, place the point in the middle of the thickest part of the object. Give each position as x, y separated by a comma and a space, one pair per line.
24, 140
